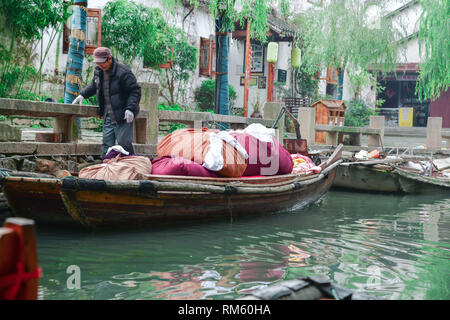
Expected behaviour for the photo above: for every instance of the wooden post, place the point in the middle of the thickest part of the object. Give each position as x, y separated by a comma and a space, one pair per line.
376, 122
24, 229
434, 134
270, 81
248, 68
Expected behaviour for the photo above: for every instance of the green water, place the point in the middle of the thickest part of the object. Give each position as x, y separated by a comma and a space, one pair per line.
394, 247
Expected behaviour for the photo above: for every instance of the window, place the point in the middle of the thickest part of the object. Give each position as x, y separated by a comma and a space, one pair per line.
207, 55
330, 75
93, 31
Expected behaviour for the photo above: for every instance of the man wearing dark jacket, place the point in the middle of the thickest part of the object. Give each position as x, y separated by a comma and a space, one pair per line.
118, 96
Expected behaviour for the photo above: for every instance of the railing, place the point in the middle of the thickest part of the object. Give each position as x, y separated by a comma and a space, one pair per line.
434, 133
146, 124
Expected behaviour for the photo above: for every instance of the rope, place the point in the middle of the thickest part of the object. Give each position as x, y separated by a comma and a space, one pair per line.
10, 284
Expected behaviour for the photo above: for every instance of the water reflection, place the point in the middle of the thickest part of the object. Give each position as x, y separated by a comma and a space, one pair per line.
396, 247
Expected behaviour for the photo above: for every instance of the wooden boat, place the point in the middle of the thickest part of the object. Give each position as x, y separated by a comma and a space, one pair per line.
387, 176
161, 199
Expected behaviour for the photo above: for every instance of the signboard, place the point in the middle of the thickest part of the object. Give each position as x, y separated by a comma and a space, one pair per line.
282, 74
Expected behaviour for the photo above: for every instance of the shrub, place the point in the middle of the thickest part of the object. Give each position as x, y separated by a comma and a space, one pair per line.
174, 107
204, 95
358, 114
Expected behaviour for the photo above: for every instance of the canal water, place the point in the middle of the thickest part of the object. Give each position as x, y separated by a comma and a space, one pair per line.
390, 246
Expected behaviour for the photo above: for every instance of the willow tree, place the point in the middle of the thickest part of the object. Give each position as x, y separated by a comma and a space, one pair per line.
434, 40
346, 35
22, 23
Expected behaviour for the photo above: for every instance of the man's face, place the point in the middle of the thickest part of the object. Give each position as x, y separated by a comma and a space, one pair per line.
105, 65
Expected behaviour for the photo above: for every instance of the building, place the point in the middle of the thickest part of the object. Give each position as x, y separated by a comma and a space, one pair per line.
400, 85
200, 30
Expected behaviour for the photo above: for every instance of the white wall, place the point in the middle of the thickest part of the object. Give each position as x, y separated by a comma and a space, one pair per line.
236, 71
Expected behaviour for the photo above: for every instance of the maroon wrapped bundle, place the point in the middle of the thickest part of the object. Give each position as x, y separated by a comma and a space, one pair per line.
264, 158
179, 166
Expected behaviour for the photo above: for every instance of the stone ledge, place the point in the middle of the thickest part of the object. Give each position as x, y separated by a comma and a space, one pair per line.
40, 148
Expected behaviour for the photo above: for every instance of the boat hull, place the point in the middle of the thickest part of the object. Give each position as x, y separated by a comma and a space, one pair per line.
48, 201
387, 179
365, 178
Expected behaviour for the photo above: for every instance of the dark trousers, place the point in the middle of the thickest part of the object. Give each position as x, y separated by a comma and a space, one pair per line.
122, 133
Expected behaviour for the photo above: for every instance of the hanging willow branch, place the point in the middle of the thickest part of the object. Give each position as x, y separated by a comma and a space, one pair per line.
434, 48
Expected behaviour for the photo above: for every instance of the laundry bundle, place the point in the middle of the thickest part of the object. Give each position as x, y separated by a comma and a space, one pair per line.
304, 164
120, 167
215, 150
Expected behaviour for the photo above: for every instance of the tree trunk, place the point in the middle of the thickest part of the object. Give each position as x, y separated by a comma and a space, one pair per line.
74, 66
222, 100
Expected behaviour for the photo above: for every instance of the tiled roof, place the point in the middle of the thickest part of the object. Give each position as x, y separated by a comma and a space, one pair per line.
280, 26
332, 104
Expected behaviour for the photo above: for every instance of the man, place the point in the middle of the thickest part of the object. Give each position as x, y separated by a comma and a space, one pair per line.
118, 96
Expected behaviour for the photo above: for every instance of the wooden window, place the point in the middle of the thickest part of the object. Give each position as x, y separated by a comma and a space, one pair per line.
207, 55
332, 76
93, 31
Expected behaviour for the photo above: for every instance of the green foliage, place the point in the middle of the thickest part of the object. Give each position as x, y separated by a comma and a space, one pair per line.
27, 18
174, 107
434, 39
134, 30
25, 21
306, 81
184, 63
176, 126
358, 114
204, 95
238, 11
99, 122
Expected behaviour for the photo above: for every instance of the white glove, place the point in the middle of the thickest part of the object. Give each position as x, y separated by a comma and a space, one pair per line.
78, 99
129, 116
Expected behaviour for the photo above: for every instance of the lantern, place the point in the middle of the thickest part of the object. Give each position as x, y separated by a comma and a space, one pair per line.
272, 52
295, 57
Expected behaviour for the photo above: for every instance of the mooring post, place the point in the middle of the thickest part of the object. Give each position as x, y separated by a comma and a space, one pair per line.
434, 133
271, 111
151, 104
307, 119
376, 122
